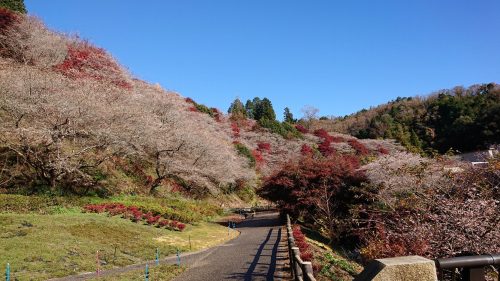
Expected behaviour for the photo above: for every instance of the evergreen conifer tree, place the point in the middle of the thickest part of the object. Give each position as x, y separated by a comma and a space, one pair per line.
288, 116
14, 5
237, 109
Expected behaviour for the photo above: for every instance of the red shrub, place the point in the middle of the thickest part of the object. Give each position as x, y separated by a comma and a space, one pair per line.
193, 109
181, 226
306, 150
313, 186
173, 224
86, 61
337, 139
359, 147
264, 147
259, 158
190, 100
306, 256
217, 114
301, 129
7, 18
300, 241
136, 216
326, 148
322, 133
95, 208
236, 130
163, 223
153, 219
382, 150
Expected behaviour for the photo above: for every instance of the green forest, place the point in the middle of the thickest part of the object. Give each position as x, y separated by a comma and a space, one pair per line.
455, 120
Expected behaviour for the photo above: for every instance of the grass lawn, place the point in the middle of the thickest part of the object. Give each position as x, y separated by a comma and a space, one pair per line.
42, 246
156, 273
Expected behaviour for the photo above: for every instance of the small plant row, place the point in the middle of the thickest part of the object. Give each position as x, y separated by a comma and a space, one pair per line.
300, 241
134, 214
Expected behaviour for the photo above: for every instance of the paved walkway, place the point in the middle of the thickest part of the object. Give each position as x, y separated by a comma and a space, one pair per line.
259, 253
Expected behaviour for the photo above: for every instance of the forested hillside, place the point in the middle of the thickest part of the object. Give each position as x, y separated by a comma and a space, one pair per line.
74, 121
462, 119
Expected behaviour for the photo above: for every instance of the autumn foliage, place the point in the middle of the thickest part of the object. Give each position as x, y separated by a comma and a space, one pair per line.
135, 214
360, 148
325, 146
84, 60
7, 17
310, 187
236, 129
264, 147
301, 242
301, 129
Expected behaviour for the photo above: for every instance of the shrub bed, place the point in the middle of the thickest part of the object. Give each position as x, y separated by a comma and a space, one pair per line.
135, 214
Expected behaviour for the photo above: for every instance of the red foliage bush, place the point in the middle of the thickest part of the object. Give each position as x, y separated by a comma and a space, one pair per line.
325, 148
94, 209
312, 187
7, 18
264, 147
181, 226
217, 114
134, 214
382, 150
300, 241
190, 100
193, 109
359, 147
172, 224
322, 133
235, 129
153, 219
259, 158
306, 150
163, 223
84, 60
301, 129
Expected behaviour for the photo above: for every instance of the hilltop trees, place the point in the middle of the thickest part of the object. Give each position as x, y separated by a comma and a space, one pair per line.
288, 116
457, 119
237, 110
14, 5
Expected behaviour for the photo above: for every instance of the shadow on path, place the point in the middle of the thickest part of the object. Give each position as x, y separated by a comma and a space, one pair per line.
248, 274
259, 253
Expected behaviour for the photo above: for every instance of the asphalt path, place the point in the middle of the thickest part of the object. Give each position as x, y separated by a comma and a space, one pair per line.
258, 253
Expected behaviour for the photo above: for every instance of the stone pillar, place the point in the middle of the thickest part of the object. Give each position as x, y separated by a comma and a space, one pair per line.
410, 268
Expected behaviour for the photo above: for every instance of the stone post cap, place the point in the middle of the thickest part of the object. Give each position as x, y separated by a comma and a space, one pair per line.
409, 268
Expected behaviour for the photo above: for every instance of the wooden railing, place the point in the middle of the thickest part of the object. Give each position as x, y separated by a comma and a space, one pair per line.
301, 270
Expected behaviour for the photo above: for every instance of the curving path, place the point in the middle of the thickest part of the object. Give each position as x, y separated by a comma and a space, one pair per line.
258, 253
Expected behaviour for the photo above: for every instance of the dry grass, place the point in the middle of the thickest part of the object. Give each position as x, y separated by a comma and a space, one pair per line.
39, 247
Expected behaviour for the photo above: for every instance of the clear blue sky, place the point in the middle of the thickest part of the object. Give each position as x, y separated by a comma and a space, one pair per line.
338, 56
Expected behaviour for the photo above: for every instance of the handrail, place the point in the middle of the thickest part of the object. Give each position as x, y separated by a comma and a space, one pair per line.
473, 266
301, 270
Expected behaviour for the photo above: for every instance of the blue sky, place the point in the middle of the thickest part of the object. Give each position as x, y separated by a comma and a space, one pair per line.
338, 56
